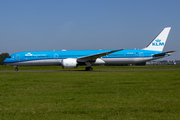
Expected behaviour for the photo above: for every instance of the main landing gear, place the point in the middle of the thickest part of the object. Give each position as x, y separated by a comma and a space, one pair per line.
16, 68
89, 68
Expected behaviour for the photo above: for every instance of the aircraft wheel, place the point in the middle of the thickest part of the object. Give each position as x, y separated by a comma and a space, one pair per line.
89, 68
16, 69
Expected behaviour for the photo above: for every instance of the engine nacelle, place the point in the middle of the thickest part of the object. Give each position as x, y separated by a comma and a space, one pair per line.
69, 63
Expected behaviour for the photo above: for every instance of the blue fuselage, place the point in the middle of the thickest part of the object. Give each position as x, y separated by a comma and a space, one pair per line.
129, 56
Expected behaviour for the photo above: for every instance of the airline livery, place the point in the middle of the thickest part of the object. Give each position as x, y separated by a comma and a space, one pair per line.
73, 58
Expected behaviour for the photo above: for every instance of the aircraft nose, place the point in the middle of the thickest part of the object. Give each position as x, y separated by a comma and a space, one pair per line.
5, 62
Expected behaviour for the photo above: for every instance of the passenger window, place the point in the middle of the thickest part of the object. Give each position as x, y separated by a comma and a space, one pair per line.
9, 57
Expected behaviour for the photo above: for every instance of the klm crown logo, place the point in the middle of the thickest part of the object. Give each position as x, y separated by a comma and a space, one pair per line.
158, 43
28, 54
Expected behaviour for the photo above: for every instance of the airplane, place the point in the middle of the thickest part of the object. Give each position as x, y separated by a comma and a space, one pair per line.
73, 58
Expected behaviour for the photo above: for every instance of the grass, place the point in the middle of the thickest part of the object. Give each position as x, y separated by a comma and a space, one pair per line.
90, 95
10, 68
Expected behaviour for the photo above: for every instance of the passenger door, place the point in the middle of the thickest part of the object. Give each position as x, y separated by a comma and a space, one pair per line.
18, 57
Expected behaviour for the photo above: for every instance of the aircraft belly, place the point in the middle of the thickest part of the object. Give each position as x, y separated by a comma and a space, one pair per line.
125, 60
46, 62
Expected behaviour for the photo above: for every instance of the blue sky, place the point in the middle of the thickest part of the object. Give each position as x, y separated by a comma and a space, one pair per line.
37, 25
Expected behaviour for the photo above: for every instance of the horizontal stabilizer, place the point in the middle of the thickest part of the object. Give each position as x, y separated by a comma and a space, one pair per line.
163, 54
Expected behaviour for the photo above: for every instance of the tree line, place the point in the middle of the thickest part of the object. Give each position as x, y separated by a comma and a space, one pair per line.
3, 56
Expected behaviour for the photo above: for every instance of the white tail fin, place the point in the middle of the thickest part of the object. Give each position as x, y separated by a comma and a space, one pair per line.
159, 42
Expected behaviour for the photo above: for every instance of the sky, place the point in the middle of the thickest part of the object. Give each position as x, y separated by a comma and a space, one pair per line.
45, 25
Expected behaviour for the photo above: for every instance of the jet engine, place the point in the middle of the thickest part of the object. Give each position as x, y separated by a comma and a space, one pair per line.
69, 63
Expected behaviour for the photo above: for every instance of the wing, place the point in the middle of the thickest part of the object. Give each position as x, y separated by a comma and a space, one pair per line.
95, 56
164, 53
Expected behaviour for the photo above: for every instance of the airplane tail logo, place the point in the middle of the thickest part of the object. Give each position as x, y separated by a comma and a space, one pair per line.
159, 42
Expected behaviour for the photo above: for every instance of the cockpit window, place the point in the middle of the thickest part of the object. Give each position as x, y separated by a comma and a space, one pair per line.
9, 57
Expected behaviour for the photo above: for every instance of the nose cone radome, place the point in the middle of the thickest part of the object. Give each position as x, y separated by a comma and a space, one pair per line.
5, 62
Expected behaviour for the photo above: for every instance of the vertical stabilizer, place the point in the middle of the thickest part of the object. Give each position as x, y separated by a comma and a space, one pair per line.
159, 42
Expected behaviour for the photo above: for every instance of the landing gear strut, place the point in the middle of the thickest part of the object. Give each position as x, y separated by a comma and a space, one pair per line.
16, 68
89, 68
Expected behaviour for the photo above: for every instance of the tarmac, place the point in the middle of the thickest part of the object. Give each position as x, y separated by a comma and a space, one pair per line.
91, 71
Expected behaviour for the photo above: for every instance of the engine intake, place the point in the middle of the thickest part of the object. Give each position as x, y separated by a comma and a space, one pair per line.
69, 63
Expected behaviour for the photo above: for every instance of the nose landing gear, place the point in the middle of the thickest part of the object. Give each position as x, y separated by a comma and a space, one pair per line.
16, 68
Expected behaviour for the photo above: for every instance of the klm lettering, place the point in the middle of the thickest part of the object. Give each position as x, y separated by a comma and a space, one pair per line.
158, 44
